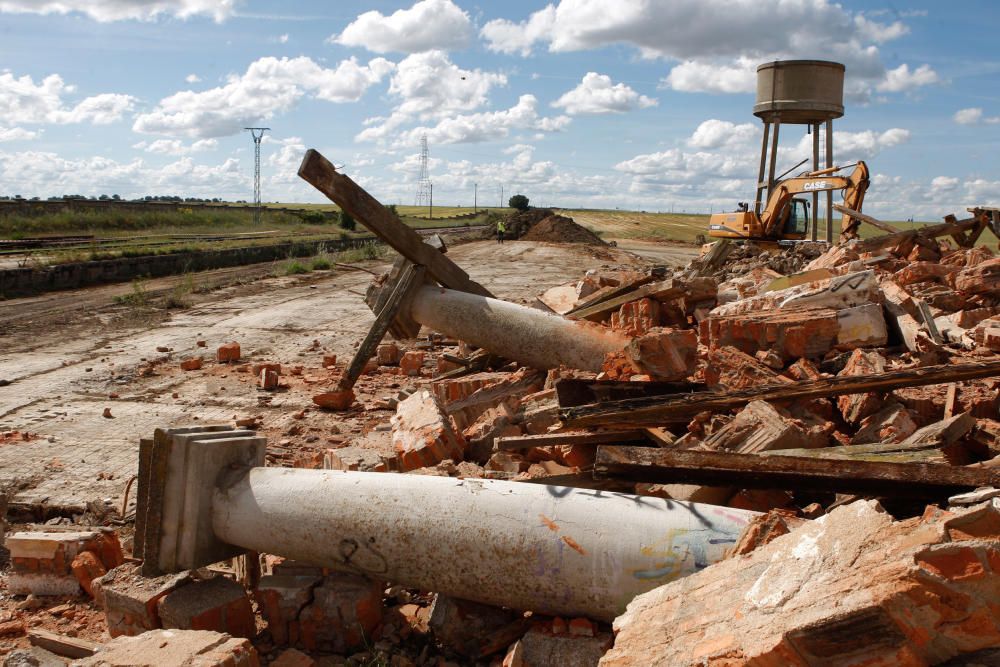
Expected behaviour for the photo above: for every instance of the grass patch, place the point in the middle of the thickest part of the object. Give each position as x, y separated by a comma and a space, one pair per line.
137, 298
321, 264
368, 252
180, 296
295, 267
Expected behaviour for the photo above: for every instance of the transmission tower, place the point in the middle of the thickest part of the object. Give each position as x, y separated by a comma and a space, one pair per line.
424, 184
257, 133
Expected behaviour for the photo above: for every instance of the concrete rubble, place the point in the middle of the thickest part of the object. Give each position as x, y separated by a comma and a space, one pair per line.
744, 361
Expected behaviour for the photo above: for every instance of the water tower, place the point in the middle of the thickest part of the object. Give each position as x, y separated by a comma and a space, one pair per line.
798, 92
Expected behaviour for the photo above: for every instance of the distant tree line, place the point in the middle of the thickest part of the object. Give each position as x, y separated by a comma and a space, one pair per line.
147, 198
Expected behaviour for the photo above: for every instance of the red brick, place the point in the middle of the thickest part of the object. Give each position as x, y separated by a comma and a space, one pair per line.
270, 366
423, 435
87, 567
218, 604
792, 333
345, 611
412, 362
388, 354
729, 368
269, 379
228, 353
329, 361
192, 364
335, 400
637, 317
281, 599
665, 354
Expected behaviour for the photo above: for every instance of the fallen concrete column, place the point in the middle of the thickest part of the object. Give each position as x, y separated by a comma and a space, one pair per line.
551, 549
512, 331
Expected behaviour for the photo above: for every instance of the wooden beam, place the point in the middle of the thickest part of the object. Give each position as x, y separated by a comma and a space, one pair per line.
516, 442
68, 647
571, 392
667, 466
349, 196
605, 293
412, 277
679, 408
927, 231
858, 215
667, 289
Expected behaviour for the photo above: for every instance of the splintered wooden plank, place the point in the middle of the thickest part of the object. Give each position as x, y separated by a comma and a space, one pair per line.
666, 289
678, 408
351, 197
858, 215
412, 278
552, 439
669, 466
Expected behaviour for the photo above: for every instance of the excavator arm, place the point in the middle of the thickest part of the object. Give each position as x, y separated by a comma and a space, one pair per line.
854, 186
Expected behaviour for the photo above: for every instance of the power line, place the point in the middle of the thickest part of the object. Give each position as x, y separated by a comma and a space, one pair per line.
424, 183
257, 133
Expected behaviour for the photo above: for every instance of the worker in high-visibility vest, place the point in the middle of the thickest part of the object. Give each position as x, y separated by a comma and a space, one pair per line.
501, 228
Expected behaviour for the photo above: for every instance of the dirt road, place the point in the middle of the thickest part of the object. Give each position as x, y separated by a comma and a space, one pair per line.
70, 355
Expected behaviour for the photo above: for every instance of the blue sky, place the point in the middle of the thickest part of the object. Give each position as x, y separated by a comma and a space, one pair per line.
641, 104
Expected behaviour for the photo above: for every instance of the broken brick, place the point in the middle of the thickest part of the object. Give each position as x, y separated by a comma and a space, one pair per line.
218, 604
388, 354
192, 364
269, 379
335, 400
87, 567
281, 599
666, 354
175, 647
412, 362
423, 435
343, 614
228, 353
729, 368
855, 407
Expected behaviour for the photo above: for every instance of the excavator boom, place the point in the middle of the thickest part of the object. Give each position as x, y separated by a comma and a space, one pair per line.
771, 224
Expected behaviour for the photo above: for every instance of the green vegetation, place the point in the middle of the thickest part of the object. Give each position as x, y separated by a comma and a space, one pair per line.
179, 297
321, 263
137, 298
347, 222
295, 267
520, 202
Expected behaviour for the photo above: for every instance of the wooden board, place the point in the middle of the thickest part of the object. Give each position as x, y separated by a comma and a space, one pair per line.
351, 197
668, 466
679, 408
511, 443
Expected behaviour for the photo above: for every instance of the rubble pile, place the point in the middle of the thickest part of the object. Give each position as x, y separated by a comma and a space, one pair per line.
544, 225
815, 431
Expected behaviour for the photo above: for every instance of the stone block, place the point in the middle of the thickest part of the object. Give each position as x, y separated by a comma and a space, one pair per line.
218, 604
343, 614
228, 353
423, 435
282, 598
861, 326
175, 648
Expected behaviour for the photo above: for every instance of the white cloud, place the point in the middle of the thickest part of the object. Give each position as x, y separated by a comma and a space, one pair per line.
508, 37
430, 84
22, 101
485, 126
192, 78
122, 10
269, 86
944, 183
705, 77
597, 95
714, 133
974, 116
429, 24
283, 39
649, 164
16, 134
176, 146
902, 79
699, 35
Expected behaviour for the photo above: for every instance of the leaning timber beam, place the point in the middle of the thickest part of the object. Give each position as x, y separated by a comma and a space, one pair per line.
351, 197
974, 226
679, 408
668, 466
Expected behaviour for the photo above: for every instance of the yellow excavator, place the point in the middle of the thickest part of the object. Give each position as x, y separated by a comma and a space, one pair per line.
784, 217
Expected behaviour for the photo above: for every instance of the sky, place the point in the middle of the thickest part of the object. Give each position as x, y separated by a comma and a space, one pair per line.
631, 104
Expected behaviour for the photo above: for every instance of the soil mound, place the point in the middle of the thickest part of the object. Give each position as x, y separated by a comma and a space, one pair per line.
560, 229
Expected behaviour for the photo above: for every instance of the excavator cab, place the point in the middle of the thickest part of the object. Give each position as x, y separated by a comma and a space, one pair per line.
797, 220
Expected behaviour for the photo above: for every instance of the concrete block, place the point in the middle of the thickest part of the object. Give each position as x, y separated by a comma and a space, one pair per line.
175, 648
218, 604
861, 326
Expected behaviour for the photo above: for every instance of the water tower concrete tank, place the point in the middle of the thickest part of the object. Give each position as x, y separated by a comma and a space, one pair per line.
800, 91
